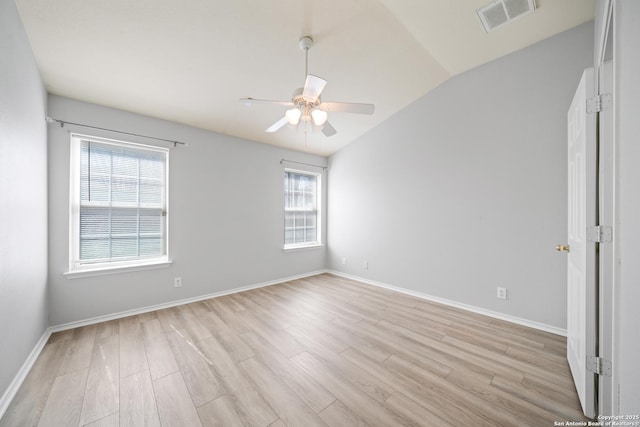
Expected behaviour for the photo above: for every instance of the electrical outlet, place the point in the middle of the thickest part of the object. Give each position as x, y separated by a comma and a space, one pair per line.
344, 260
502, 293
177, 282
365, 265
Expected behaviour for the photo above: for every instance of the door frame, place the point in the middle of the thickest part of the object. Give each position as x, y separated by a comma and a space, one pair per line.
607, 384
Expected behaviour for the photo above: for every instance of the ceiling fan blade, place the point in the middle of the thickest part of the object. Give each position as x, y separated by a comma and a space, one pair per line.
328, 130
347, 107
277, 125
313, 87
250, 101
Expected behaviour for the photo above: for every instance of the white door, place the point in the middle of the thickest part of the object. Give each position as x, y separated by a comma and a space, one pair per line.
581, 272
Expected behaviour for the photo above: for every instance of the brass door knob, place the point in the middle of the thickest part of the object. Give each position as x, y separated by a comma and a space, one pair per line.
562, 248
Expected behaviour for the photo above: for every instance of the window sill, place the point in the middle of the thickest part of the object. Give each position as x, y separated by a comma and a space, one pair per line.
302, 247
101, 271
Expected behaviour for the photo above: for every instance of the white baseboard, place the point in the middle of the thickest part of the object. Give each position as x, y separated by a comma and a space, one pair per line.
11, 391
136, 311
513, 319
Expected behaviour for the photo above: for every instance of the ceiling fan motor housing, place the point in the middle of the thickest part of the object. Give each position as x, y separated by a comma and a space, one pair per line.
299, 100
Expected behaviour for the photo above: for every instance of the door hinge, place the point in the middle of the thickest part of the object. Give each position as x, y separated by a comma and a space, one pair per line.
599, 234
599, 103
599, 366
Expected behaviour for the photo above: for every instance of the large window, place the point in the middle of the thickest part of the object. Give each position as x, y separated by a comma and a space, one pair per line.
301, 209
118, 204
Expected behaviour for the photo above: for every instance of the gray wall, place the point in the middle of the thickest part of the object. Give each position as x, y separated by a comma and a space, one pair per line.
23, 198
627, 129
465, 189
225, 217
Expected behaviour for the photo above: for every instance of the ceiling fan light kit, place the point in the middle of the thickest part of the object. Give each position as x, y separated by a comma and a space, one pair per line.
319, 117
306, 105
293, 116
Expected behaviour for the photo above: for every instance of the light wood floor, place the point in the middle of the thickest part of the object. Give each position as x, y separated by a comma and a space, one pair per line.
312, 352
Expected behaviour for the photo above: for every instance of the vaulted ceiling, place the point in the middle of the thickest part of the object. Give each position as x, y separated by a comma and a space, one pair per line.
191, 61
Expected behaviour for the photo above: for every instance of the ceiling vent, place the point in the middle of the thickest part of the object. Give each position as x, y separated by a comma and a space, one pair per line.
500, 12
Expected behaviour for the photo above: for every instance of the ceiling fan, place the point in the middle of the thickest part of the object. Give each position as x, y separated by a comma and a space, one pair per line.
306, 105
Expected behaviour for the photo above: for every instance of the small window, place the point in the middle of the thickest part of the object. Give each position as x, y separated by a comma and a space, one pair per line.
118, 204
301, 209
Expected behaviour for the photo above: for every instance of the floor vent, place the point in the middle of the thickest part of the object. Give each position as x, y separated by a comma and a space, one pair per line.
500, 12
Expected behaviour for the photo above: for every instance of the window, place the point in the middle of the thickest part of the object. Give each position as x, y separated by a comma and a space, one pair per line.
301, 209
118, 204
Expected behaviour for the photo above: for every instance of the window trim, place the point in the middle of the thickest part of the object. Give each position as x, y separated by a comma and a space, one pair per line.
89, 272
318, 242
75, 268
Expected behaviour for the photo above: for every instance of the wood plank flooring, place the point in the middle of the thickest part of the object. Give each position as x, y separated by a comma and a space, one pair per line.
312, 352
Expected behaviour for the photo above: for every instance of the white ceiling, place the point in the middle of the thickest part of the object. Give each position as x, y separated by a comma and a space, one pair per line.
190, 61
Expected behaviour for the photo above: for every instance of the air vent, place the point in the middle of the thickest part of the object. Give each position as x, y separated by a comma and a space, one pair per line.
500, 12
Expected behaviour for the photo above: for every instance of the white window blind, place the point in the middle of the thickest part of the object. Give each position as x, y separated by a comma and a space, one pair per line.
119, 209
302, 222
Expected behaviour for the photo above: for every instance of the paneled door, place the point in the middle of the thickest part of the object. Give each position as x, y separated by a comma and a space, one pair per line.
581, 251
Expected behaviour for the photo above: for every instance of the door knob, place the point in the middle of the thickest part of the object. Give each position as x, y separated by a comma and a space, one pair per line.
562, 248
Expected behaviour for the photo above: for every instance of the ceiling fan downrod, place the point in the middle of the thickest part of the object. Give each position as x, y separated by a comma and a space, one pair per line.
305, 44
